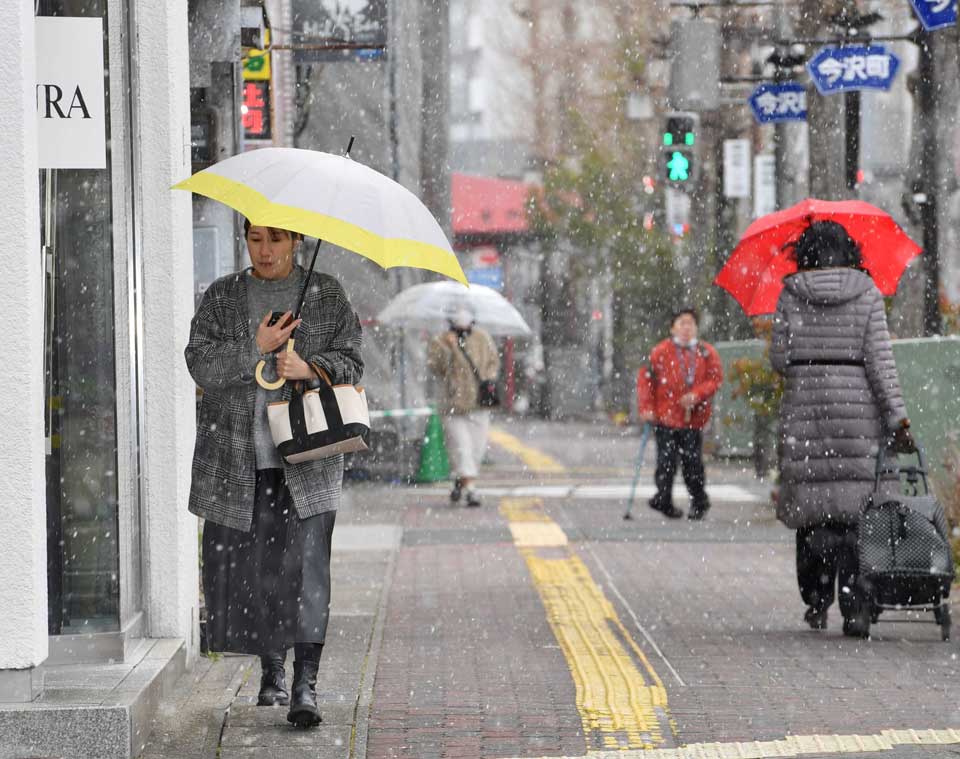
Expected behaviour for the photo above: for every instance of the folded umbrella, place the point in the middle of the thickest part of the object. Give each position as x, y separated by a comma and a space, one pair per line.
754, 273
427, 306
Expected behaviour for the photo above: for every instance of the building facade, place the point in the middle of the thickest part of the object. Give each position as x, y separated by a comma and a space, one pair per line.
100, 552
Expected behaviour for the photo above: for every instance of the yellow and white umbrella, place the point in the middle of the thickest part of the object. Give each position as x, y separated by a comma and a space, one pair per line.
333, 199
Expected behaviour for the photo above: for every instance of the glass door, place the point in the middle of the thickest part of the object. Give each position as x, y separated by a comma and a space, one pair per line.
80, 382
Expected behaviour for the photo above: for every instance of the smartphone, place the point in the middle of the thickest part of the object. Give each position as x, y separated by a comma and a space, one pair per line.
277, 316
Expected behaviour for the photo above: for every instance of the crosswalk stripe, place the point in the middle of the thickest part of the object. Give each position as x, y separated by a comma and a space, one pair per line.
620, 492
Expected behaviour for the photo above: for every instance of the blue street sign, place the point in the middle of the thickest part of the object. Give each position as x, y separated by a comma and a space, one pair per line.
491, 276
786, 101
935, 14
853, 67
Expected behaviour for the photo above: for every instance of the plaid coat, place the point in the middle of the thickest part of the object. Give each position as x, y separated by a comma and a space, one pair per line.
222, 356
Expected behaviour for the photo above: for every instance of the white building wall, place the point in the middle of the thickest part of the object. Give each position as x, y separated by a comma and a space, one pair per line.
491, 97
23, 589
163, 152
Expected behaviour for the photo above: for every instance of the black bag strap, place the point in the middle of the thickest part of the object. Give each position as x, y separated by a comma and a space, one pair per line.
473, 367
328, 401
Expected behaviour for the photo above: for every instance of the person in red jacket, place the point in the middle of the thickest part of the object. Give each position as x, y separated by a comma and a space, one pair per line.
674, 393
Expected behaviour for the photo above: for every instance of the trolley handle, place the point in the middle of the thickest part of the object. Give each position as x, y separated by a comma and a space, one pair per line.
913, 473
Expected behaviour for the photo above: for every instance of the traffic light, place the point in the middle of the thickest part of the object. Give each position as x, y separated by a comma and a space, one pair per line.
678, 152
681, 130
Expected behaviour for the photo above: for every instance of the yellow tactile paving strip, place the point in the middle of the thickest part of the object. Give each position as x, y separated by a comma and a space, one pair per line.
615, 700
618, 693
794, 745
534, 460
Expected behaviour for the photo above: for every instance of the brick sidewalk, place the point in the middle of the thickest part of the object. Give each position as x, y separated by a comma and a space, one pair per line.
469, 666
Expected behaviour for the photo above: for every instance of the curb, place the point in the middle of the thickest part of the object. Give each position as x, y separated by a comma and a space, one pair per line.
361, 722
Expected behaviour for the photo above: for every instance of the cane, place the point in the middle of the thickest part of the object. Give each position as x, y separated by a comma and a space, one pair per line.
644, 438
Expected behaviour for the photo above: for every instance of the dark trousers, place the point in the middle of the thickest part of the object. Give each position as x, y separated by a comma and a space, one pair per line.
687, 446
826, 558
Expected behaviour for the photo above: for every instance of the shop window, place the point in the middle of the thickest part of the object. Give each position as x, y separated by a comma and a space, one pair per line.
81, 430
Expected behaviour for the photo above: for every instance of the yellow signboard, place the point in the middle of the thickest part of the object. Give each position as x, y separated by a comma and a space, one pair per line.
256, 65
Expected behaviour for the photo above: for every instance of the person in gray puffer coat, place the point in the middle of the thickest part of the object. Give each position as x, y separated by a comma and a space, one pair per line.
842, 400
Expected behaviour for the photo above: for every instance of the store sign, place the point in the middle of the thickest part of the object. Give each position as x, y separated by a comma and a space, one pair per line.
319, 26
736, 168
256, 66
71, 114
488, 276
256, 110
764, 185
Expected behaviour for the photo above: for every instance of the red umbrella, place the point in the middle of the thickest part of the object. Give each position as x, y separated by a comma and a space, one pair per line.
754, 273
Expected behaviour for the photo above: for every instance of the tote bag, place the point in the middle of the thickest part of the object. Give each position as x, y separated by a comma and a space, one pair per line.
319, 423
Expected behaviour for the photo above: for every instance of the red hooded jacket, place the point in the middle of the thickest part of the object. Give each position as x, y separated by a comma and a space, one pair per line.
661, 384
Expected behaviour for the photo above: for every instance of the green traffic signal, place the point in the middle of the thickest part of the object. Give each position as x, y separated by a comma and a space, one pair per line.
678, 167
689, 138
667, 138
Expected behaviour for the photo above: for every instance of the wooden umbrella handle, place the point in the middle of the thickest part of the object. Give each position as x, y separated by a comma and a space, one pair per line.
280, 381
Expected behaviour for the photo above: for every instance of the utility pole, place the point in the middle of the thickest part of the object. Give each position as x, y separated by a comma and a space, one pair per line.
931, 171
826, 119
434, 124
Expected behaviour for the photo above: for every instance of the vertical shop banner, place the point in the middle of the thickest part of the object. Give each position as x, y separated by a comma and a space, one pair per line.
71, 112
257, 100
320, 23
764, 184
736, 168
256, 110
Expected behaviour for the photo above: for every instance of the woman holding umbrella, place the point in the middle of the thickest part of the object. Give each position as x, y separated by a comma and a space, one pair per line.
842, 400
464, 359
268, 524
266, 542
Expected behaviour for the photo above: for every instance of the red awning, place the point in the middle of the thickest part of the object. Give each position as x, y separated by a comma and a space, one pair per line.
488, 206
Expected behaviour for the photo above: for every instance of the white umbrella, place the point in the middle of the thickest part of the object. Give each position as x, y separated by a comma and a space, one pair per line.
428, 306
332, 198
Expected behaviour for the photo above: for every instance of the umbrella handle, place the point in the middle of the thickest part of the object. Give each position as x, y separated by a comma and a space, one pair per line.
279, 382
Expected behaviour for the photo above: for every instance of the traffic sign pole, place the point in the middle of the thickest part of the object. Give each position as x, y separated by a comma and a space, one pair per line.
931, 172
852, 132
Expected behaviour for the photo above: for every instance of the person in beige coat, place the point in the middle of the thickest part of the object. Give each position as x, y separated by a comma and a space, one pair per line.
460, 359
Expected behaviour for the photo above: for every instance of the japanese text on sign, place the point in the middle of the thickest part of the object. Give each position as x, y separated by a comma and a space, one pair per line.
256, 110
779, 102
852, 68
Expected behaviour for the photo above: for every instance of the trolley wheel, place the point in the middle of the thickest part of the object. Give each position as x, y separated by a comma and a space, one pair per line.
942, 616
857, 625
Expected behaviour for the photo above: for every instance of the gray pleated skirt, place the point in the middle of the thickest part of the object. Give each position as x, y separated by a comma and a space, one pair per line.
269, 588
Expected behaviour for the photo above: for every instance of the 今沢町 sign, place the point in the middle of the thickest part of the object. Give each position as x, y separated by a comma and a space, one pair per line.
853, 67
935, 14
71, 115
786, 101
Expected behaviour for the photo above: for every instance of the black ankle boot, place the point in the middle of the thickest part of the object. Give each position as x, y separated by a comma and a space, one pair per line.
303, 701
273, 683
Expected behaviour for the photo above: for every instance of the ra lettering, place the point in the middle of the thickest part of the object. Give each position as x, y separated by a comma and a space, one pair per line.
51, 95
